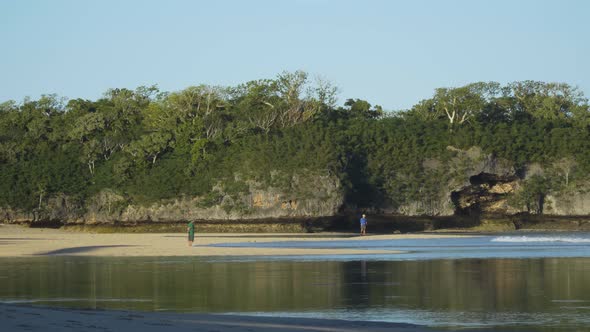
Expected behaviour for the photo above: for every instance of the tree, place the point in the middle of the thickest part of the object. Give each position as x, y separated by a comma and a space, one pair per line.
258, 103
87, 126
284, 102
8, 133
548, 101
300, 102
197, 101
325, 92
35, 116
91, 152
362, 108
149, 146
425, 110
457, 105
463, 103
533, 193
41, 191
290, 87
565, 166
8, 106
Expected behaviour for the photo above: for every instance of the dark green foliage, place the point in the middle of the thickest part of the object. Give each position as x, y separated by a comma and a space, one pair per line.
533, 194
211, 141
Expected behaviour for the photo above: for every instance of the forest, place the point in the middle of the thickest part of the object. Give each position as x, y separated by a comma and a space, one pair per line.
148, 145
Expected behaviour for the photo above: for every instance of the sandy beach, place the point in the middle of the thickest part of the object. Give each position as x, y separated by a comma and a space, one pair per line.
19, 241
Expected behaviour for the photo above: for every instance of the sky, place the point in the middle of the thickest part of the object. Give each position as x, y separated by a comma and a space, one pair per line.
391, 53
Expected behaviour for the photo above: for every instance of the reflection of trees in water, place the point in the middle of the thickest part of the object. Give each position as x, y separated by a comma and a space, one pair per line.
187, 285
356, 284
493, 285
183, 285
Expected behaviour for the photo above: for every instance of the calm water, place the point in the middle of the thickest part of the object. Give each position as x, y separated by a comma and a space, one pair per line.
524, 291
517, 245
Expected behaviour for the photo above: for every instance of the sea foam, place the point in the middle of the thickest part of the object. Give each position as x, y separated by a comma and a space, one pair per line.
525, 238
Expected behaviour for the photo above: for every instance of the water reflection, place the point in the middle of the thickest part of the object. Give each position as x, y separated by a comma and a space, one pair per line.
551, 291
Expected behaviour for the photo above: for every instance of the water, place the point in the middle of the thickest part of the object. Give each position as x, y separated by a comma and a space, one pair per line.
537, 282
533, 245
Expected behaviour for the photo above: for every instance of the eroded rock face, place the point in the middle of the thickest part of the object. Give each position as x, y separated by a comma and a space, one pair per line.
568, 204
486, 194
310, 195
438, 205
324, 200
481, 180
106, 206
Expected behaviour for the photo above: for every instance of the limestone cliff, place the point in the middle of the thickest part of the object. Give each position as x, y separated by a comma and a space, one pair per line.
472, 183
469, 183
308, 195
569, 203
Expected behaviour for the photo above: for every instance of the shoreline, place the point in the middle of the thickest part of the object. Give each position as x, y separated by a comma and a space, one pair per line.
379, 223
19, 241
35, 318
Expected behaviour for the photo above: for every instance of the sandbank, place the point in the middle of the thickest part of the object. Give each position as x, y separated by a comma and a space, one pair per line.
20, 241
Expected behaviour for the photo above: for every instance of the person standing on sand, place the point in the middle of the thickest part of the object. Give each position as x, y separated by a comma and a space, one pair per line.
363, 225
191, 233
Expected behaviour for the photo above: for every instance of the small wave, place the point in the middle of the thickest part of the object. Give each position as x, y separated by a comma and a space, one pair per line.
541, 239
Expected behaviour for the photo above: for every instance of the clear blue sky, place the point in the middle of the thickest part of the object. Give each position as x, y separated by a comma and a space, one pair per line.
392, 53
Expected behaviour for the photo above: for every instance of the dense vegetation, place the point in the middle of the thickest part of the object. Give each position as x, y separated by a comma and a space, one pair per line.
149, 145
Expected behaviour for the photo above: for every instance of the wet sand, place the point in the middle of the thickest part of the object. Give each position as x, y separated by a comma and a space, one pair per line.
28, 318
19, 241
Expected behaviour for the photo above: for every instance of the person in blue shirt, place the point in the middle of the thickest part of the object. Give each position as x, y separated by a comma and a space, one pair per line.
363, 225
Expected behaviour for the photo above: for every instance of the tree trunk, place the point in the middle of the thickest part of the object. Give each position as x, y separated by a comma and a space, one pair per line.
91, 167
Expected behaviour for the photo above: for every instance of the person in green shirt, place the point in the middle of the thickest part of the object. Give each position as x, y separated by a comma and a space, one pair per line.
191, 233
